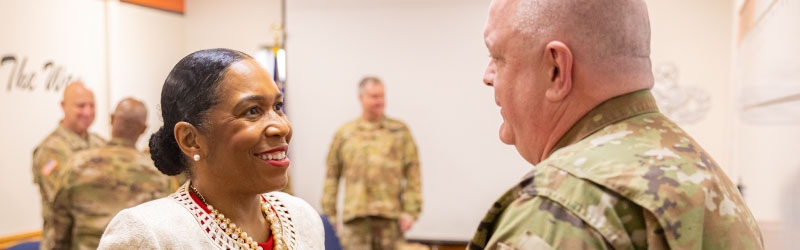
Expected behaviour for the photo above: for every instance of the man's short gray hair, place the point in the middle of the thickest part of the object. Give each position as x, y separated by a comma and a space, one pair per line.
601, 27
367, 80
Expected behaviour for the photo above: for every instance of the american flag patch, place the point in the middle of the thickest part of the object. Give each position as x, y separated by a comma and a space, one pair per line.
49, 166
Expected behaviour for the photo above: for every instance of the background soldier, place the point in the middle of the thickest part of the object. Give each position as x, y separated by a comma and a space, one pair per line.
70, 136
377, 158
97, 183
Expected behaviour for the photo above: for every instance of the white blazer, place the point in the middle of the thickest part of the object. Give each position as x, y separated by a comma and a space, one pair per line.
177, 222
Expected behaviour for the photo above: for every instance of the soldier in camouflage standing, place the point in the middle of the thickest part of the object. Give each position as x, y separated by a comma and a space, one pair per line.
97, 183
377, 158
70, 136
573, 80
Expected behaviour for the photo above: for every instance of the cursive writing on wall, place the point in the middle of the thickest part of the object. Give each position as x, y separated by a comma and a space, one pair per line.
49, 77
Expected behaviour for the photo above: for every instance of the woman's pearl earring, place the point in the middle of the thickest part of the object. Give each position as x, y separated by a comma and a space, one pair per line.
196, 157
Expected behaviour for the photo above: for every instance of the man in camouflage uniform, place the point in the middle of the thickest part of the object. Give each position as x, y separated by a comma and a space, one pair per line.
377, 158
70, 136
572, 78
97, 183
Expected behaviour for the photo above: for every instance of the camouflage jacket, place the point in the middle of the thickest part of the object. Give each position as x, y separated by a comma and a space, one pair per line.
48, 160
380, 168
96, 184
55, 150
623, 177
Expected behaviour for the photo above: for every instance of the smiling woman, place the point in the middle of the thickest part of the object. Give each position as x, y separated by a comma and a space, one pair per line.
224, 127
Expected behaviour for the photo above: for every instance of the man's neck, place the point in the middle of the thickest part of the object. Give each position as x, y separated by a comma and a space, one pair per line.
371, 118
82, 134
125, 141
569, 113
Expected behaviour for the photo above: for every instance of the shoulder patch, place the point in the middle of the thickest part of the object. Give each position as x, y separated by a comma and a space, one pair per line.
49, 167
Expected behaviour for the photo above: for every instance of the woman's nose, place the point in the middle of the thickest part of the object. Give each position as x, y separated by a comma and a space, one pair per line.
279, 126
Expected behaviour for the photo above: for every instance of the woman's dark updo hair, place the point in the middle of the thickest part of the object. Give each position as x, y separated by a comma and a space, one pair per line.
189, 91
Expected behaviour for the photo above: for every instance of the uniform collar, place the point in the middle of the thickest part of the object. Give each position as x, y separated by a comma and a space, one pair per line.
609, 112
71, 136
364, 124
120, 142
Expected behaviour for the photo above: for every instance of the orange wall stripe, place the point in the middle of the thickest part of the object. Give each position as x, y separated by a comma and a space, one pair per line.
168, 5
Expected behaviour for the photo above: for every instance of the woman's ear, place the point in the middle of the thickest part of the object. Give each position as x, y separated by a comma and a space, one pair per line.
560, 58
187, 137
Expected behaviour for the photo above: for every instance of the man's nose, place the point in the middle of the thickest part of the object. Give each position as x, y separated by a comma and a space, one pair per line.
488, 76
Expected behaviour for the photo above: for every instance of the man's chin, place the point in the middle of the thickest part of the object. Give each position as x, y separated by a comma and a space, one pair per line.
84, 128
506, 141
506, 135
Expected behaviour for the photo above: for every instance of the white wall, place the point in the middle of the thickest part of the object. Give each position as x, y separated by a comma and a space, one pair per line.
243, 25
73, 37
767, 61
767, 68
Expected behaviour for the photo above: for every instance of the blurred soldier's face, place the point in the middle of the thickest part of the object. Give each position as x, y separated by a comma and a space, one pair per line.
372, 100
78, 106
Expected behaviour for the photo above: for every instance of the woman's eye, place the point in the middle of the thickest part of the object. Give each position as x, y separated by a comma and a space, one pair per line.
253, 111
278, 106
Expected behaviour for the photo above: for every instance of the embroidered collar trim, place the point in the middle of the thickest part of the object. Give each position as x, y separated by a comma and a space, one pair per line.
217, 235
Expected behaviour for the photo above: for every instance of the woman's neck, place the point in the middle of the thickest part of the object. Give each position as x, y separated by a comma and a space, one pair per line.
243, 209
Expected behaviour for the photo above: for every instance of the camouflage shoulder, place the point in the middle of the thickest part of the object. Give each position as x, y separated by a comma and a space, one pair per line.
393, 123
96, 140
49, 155
133, 155
53, 141
80, 158
651, 162
347, 127
584, 204
541, 223
130, 167
78, 162
50, 136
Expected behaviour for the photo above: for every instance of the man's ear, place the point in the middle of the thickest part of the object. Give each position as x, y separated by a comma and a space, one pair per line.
559, 57
187, 135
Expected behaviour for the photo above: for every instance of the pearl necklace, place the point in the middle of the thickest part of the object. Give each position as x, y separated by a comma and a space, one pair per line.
236, 233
